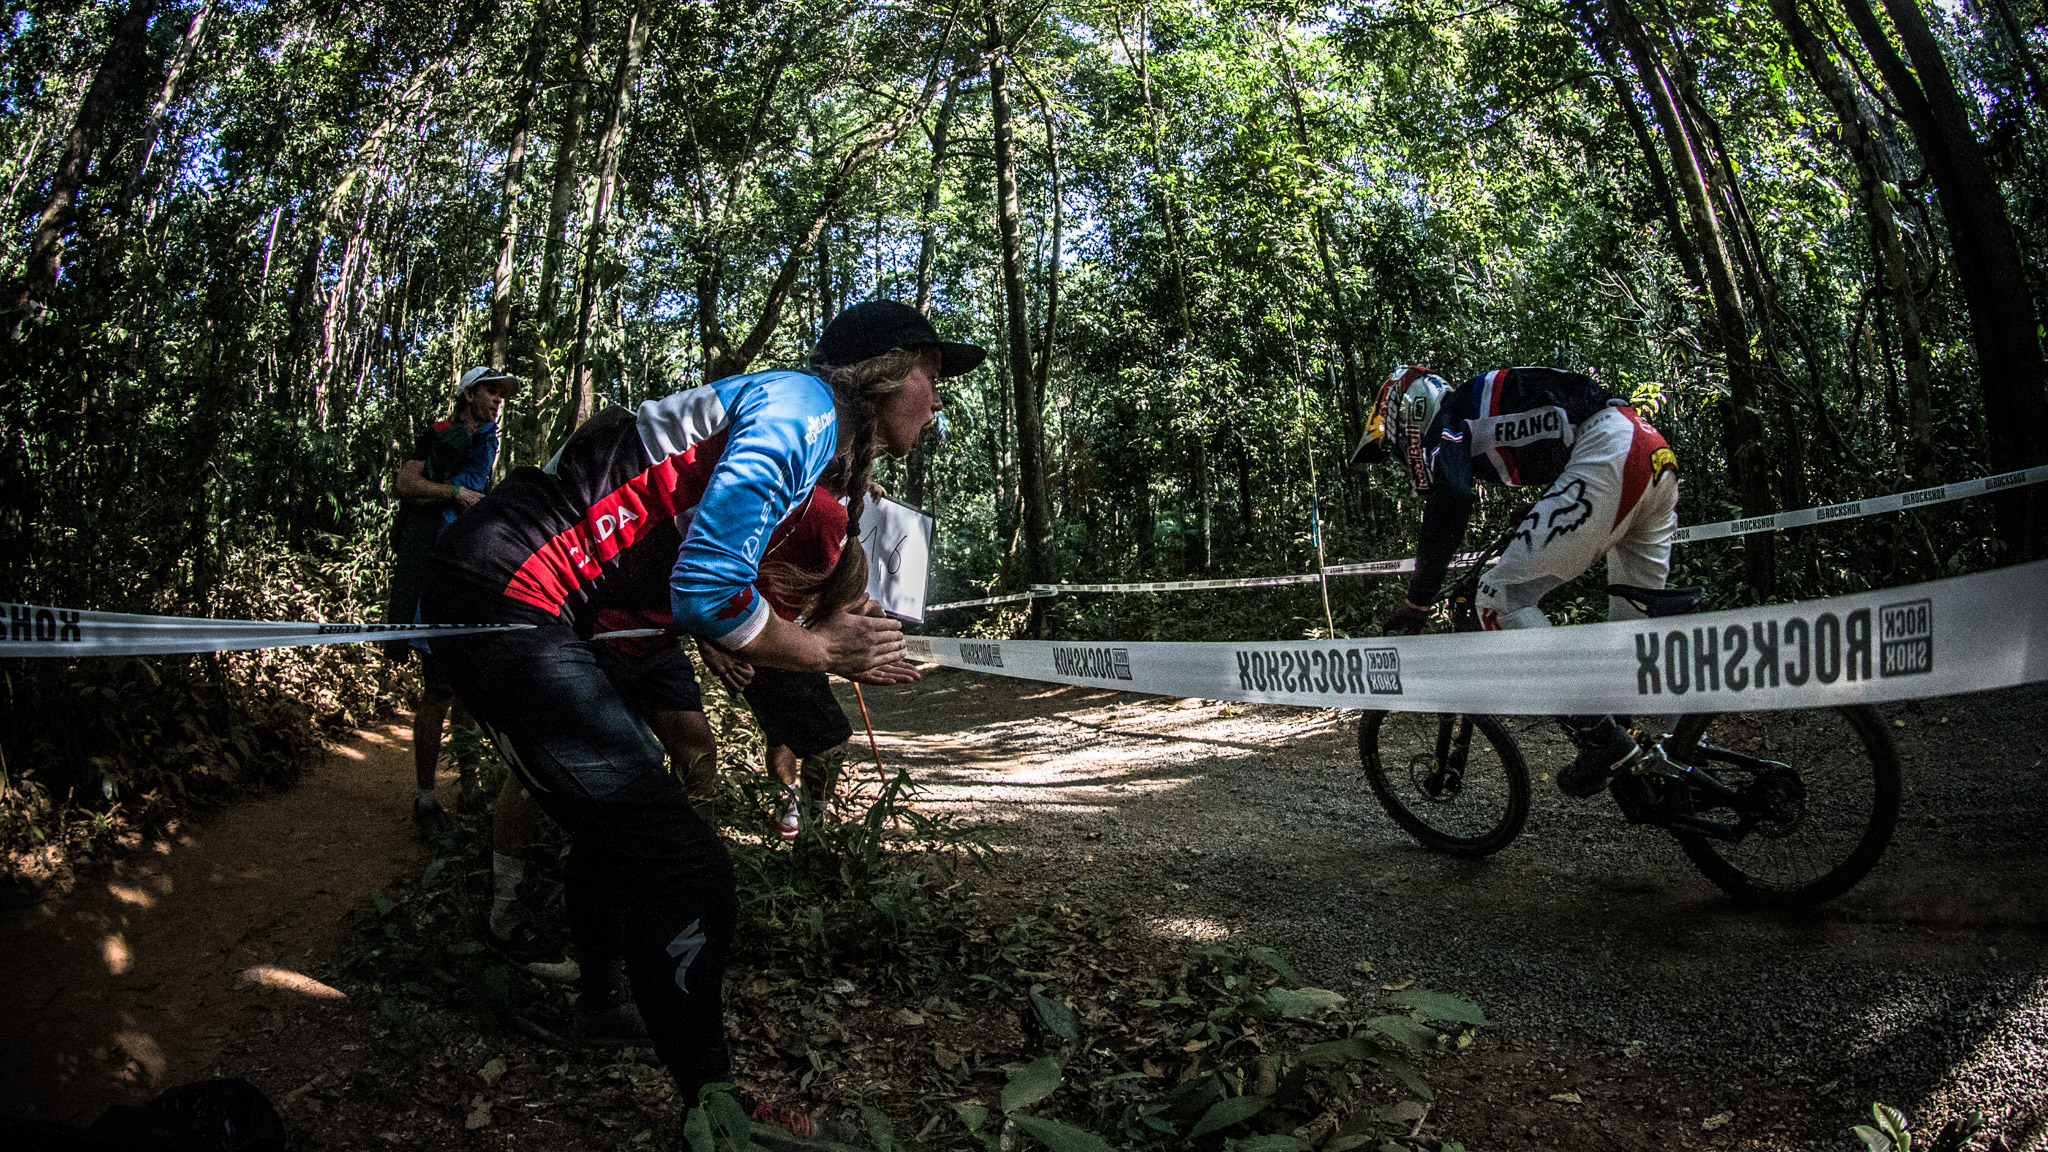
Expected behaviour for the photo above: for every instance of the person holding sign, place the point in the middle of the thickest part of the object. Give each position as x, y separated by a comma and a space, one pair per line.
726, 462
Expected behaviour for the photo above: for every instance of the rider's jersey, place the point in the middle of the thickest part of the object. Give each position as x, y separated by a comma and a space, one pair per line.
725, 463
1511, 426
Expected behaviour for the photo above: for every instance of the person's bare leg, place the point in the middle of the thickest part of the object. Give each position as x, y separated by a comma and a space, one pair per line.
428, 719
782, 764
470, 797
692, 753
515, 819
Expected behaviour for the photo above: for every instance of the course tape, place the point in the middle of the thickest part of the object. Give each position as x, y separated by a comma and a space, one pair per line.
1722, 529
1037, 591
1965, 634
68, 633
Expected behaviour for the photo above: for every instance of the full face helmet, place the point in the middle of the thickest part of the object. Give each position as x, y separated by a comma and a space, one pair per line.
1407, 403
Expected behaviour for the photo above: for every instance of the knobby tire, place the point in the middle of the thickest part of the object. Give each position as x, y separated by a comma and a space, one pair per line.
1505, 776
1858, 783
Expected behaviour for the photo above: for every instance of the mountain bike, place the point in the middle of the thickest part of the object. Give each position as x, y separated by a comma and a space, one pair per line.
1783, 809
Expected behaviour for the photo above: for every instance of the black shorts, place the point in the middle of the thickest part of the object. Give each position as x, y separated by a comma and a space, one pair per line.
663, 682
797, 709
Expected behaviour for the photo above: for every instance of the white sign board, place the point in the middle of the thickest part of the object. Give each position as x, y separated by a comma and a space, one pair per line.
898, 540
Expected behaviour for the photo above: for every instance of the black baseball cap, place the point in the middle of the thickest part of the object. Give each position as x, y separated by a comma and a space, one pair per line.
874, 327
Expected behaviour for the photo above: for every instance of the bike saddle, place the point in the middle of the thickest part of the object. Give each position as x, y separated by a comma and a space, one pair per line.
1660, 601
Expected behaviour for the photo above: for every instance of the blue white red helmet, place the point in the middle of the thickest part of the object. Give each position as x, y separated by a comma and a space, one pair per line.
1406, 405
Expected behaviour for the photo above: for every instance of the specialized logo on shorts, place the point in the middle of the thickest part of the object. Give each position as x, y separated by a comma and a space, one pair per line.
684, 948
1767, 653
1359, 671
1906, 638
27, 624
1092, 663
982, 655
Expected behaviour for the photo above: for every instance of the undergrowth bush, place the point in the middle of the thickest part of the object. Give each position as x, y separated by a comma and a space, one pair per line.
102, 750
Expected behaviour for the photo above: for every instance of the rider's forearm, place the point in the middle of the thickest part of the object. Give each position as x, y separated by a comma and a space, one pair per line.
783, 644
1444, 516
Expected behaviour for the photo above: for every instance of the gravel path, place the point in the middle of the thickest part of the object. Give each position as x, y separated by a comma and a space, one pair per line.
1595, 946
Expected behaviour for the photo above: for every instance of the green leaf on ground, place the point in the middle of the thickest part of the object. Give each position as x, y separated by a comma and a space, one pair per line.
1333, 1052
1031, 1083
879, 1129
1437, 1006
1276, 962
1057, 1017
1274, 1142
1061, 1137
971, 1115
1403, 1030
1224, 1113
1302, 1003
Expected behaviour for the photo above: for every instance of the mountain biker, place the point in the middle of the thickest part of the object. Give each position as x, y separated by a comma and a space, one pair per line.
729, 461
1610, 487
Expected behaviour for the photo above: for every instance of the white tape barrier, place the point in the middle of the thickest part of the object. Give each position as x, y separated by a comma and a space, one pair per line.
1966, 634
68, 633
1824, 514
1037, 592
1855, 509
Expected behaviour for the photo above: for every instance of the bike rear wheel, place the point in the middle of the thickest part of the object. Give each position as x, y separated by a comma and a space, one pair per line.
1829, 821
1473, 807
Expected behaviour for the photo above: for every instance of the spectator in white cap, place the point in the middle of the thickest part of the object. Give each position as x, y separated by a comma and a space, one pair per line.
447, 470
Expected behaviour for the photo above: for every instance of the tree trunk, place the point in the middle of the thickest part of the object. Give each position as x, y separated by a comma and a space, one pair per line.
145, 145
1987, 259
515, 175
927, 255
38, 282
580, 397
1023, 375
1742, 430
561, 200
1202, 551
1339, 317
1895, 264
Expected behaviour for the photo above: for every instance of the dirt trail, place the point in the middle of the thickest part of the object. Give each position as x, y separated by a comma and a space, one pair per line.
131, 982
1634, 1003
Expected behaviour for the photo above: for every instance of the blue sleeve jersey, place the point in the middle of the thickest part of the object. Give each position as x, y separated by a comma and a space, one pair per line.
726, 462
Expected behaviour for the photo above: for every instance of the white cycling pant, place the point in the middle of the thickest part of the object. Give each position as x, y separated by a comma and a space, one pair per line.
1618, 497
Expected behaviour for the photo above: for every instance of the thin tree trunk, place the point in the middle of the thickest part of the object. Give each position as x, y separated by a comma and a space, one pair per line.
38, 282
576, 405
145, 145
561, 200
515, 176
1895, 263
1339, 316
1024, 379
1988, 263
1742, 430
928, 212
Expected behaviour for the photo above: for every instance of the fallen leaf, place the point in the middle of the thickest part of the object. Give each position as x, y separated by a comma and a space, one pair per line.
479, 1115
1717, 1120
493, 1071
1152, 1071
1397, 987
945, 1057
1363, 967
907, 1018
1566, 1098
1194, 1046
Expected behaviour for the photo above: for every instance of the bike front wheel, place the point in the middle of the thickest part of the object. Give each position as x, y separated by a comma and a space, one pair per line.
1819, 798
1456, 783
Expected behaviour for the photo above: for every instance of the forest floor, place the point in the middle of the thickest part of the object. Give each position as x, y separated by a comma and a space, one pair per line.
1631, 1006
